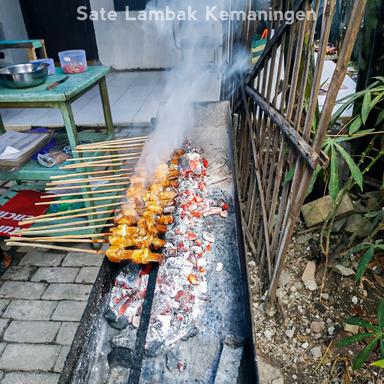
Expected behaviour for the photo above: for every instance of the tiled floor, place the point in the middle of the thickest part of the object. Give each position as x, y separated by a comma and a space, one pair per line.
42, 299
135, 98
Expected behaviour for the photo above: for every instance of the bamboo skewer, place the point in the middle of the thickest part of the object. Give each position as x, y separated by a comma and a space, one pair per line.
117, 176
48, 246
103, 156
98, 164
22, 232
82, 193
88, 173
97, 146
79, 200
63, 213
58, 240
106, 149
86, 236
60, 188
127, 139
59, 225
47, 219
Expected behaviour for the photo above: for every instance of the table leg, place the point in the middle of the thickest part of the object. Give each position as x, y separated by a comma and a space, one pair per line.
31, 54
106, 106
2, 126
70, 126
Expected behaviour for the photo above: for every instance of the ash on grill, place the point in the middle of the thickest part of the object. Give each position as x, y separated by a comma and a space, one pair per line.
181, 285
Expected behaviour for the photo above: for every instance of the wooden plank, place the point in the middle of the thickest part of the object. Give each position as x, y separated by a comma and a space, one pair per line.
297, 141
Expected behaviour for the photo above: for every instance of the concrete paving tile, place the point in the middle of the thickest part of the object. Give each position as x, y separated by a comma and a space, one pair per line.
29, 357
30, 309
55, 274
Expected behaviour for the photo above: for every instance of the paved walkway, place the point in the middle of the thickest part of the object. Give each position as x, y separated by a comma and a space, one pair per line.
42, 298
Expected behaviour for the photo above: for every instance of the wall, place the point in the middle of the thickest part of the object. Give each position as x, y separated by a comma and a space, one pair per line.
12, 28
137, 44
132, 44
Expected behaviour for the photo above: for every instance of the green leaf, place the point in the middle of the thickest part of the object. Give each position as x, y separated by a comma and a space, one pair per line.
379, 363
357, 135
361, 323
362, 357
358, 248
355, 170
363, 263
380, 118
353, 339
377, 99
380, 315
382, 347
355, 126
334, 178
366, 107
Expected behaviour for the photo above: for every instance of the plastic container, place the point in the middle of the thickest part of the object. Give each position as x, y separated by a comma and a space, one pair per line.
73, 61
50, 62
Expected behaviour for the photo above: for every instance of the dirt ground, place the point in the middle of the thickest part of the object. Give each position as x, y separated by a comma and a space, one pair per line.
298, 344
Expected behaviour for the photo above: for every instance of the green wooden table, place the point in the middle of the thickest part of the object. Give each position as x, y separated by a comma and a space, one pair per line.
61, 98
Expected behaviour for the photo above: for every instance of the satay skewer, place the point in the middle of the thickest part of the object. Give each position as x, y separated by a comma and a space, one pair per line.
106, 185
84, 236
54, 218
59, 240
126, 139
56, 230
88, 199
103, 157
70, 211
106, 149
89, 173
60, 225
122, 156
117, 176
97, 164
48, 246
83, 193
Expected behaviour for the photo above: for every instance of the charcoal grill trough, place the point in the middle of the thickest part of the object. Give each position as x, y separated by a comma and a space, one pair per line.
221, 349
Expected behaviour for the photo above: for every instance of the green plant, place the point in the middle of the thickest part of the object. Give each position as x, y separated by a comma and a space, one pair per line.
370, 246
366, 103
374, 336
379, 363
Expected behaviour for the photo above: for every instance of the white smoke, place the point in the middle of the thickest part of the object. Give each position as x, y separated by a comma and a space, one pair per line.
200, 59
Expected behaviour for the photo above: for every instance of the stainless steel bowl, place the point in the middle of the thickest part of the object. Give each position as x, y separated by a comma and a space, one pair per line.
24, 75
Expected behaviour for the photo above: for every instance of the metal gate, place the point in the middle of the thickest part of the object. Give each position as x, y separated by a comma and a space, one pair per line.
279, 131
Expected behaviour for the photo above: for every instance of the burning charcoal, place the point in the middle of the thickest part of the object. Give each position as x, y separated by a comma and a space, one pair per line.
219, 267
120, 324
126, 339
208, 237
181, 365
213, 211
192, 332
120, 357
154, 348
171, 361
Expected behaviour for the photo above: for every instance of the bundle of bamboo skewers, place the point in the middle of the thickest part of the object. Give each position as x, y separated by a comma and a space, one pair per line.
102, 168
